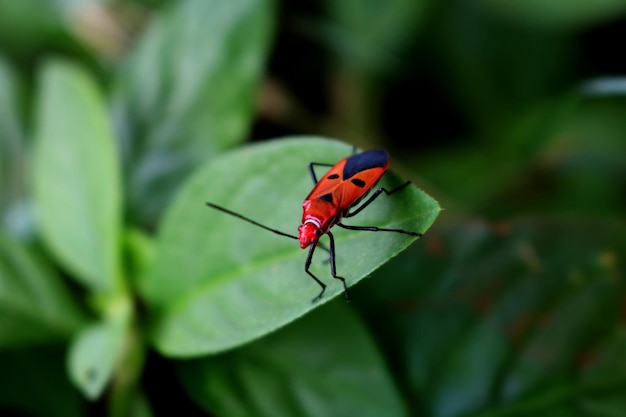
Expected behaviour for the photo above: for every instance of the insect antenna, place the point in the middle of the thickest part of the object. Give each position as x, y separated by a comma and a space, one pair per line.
232, 213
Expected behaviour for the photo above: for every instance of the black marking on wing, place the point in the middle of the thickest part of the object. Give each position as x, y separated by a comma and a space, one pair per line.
365, 160
358, 182
327, 197
333, 177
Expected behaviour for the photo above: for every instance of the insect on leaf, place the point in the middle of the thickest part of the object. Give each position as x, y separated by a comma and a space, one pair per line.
219, 282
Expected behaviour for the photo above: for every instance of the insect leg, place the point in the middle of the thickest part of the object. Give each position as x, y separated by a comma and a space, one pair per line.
374, 196
312, 170
333, 267
307, 265
378, 229
367, 203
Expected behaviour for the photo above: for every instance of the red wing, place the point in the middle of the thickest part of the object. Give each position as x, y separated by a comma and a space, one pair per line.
345, 193
354, 188
329, 182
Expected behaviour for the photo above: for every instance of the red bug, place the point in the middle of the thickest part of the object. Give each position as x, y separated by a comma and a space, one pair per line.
335, 197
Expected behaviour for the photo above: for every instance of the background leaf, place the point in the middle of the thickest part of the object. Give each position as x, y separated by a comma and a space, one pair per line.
369, 35
77, 185
187, 93
559, 13
218, 282
29, 24
513, 326
35, 306
95, 352
322, 365
14, 216
498, 71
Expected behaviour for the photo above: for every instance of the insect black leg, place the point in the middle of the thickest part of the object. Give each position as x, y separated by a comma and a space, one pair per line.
379, 229
307, 265
312, 170
333, 267
367, 203
374, 196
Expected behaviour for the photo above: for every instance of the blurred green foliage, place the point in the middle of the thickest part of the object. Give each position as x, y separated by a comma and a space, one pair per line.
118, 119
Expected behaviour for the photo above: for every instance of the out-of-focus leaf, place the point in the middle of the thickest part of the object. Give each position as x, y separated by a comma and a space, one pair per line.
186, 94
604, 376
28, 24
218, 282
571, 326
515, 328
494, 70
322, 365
140, 406
563, 157
35, 307
77, 185
13, 182
95, 352
126, 396
558, 14
578, 168
77, 27
370, 35
34, 382
587, 155
604, 86
140, 253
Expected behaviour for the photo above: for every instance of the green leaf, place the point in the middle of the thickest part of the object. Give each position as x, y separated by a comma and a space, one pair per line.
34, 383
139, 250
77, 185
187, 93
96, 351
218, 282
569, 157
13, 170
525, 320
559, 13
604, 86
35, 307
323, 365
370, 35
27, 26
460, 172
497, 71
585, 160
